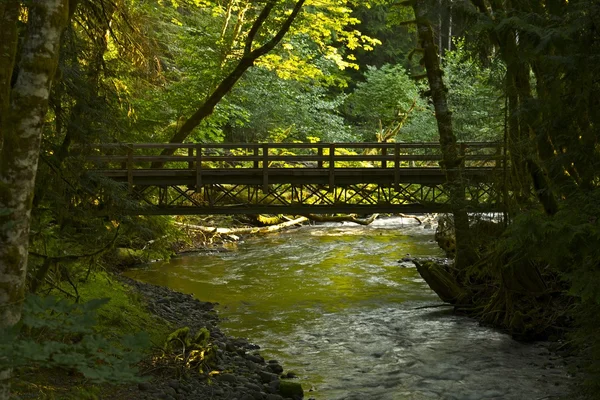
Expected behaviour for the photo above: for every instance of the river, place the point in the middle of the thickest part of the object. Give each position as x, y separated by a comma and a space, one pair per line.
333, 304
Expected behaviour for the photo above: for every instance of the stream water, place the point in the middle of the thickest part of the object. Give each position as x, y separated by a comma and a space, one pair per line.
333, 304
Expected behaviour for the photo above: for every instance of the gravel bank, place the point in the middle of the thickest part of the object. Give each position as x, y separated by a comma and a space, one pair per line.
247, 375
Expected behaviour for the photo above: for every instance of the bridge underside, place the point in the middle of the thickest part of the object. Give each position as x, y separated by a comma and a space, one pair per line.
303, 191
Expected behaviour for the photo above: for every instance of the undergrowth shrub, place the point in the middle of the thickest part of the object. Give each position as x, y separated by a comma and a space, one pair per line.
56, 333
184, 351
567, 245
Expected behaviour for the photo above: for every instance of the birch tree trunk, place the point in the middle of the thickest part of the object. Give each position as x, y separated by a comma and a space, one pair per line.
451, 158
23, 106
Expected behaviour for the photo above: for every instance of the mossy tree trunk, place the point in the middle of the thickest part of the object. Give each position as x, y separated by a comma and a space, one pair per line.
451, 157
24, 92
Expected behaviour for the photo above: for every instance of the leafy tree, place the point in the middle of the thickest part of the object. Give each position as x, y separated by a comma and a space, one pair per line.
298, 109
389, 99
475, 95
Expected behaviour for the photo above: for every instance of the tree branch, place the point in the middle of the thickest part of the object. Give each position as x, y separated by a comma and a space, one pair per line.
230, 80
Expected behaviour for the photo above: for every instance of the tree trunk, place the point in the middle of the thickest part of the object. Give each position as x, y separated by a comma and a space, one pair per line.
451, 159
24, 107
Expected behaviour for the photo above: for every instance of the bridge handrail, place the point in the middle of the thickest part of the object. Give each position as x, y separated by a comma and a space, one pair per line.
362, 145
327, 154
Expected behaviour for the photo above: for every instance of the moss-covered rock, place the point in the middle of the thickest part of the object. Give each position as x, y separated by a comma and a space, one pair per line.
291, 389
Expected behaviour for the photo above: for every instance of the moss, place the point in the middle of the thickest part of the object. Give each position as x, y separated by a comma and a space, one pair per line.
125, 313
290, 389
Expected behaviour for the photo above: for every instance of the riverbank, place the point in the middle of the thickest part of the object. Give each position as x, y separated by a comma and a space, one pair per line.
240, 372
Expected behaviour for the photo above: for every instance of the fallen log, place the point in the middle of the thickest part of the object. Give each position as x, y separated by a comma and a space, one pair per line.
441, 281
242, 231
342, 218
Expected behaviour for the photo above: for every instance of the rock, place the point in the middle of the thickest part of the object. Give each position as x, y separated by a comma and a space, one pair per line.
230, 347
228, 378
255, 358
274, 386
253, 387
291, 389
273, 396
144, 386
289, 375
174, 383
266, 377
275, 368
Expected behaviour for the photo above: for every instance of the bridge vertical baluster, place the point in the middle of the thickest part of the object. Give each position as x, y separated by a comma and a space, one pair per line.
130, 167
256, 149
320, 154
198, 167
265, 165
498, 155
331, 166
191, 158
384, 154
462, 151
397, 166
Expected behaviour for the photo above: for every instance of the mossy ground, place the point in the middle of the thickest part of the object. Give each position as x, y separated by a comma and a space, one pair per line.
124, 314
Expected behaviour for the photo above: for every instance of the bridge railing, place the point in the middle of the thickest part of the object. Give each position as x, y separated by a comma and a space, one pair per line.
131, 158
289, 155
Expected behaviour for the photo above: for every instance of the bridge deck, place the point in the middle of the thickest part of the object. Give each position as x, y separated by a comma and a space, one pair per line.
271, 177
253, 176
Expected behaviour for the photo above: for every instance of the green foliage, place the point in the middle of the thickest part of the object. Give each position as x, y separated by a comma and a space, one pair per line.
190, 351
566, 245
389, 96
474, 96
384, 20
125, 313
57, 333
272, 105
569, 242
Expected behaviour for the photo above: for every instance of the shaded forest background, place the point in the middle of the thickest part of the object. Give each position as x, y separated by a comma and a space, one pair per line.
525, 73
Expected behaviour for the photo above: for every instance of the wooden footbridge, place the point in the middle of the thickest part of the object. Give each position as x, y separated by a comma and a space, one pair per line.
295, 178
